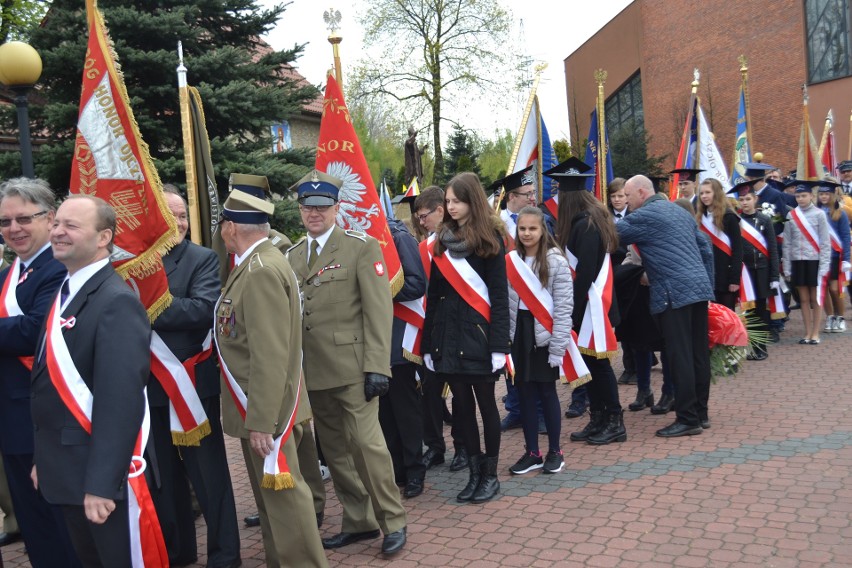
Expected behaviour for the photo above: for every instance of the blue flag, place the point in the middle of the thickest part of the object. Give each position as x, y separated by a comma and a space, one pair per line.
742, 145
591, 158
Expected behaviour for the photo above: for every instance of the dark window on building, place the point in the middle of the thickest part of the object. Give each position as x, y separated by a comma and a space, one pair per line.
828, 36
625, 106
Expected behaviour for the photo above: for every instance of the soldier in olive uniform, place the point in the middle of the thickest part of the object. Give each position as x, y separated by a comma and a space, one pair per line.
258, 334
346, 342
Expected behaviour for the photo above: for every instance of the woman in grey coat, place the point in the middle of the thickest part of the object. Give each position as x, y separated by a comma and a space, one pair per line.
537, 352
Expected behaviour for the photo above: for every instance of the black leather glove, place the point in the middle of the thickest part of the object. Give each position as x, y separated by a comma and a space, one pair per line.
375, 385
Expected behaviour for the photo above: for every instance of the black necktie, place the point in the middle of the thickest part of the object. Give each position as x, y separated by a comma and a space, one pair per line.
618, 215
63, 293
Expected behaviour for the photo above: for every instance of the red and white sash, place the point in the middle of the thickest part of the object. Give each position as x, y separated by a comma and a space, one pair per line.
413, 313
469, 285
597, 336
747, 295
276, 472
9, 301
426, 248
837, 246
718, 236
807, 230
187, 419
775, 305
147, 546
511, 230
754, 237
539, 301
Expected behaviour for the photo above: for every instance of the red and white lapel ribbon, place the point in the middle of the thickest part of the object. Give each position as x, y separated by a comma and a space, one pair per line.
276, 472
597, 336
469, 285
9, 302
187, 419
539, 301
146, 537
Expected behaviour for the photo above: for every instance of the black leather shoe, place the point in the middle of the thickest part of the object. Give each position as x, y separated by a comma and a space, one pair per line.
9, 538
627, 378
460, 460
705, 423
252, 520
320, 518
644, 399
344, 538
394, 542
575, 410
432, 458
413, 488
678, 429
664, 405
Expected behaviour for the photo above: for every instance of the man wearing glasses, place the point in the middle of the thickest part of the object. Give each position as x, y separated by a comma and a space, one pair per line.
520, 193
29, 287
346, 340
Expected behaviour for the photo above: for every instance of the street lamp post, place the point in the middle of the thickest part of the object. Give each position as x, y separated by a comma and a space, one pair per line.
20, 68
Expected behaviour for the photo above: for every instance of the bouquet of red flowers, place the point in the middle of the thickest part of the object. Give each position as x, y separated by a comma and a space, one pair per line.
729, 339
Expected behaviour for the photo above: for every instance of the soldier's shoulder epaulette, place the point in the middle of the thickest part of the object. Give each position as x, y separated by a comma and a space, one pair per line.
275, 240
356, 234
255, 261
302, 240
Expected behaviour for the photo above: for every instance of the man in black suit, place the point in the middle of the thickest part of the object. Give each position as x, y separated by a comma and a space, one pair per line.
105, 331
29, 286
193, 274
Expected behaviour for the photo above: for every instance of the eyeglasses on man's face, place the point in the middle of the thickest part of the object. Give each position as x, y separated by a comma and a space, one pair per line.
423, 216
312, 208
526, 195
22, 220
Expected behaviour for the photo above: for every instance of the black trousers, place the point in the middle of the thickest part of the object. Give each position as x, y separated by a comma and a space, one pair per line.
685, 335
100, 546
42, 524
467, 397
206, 467
765, 318
603, 388
401, 418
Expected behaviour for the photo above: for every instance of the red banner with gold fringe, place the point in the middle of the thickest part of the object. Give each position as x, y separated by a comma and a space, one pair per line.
111, 161
339, 154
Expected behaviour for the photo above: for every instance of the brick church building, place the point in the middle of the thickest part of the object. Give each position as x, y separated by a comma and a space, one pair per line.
650, 49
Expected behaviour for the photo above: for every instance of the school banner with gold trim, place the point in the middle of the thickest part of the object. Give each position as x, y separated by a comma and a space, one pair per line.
111, 161
339, 154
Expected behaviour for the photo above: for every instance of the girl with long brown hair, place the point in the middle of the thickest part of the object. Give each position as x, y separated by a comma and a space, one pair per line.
466, 330
586, 233
716, 218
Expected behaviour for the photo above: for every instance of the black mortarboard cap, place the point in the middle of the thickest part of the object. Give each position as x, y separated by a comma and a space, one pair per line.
804, 185
515, 180
571, 174
687, 174
756, 169
743, 188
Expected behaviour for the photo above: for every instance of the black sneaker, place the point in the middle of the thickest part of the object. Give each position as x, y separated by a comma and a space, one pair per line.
553, 462
528, 462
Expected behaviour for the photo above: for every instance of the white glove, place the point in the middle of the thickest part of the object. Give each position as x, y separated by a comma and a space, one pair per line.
845, 266
554, 360
498, 361
775, 285
427, 360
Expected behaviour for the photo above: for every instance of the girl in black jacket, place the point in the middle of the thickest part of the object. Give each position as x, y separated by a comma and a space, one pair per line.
465, 340
587, 233
717, 219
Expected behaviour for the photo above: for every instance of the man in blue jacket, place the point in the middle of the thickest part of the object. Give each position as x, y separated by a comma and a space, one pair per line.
679, 266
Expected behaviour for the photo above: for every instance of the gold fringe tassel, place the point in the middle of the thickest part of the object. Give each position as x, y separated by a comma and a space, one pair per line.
778, 316
597, 355
408, 355
192, 437
446, 390
397, 282
578, 382
745, 306
278, 481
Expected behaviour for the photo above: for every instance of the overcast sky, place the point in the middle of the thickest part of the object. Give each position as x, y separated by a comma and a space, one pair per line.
552, 28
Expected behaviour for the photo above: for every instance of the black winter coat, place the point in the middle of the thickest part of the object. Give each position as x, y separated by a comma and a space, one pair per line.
763, 269
586, 245
458, 338
728, 269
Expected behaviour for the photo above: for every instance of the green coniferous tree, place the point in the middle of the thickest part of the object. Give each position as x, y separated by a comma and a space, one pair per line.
461, 154
241, 81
